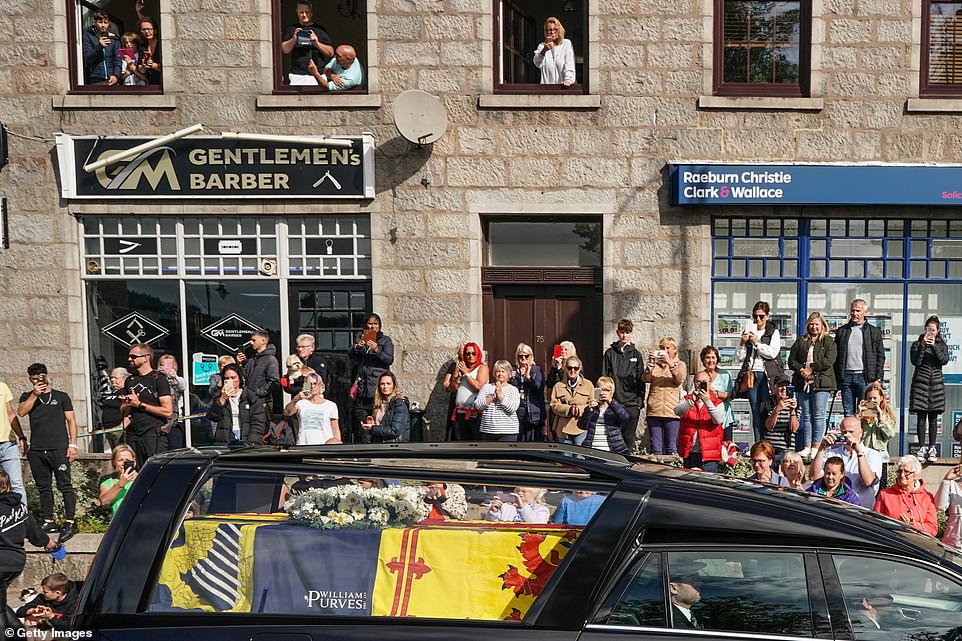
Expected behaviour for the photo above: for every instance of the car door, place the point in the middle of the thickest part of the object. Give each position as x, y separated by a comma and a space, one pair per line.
894, 598
672, 593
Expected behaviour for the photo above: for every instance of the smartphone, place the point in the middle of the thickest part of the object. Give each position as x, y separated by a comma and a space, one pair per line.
369, 335
557, 352
308, 385
126, 51
929, 331
790, 391
703, 386
597, 394
506, 498
128, 465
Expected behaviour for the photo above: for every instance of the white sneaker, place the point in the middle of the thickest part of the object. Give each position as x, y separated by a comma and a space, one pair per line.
922, 453
933, 455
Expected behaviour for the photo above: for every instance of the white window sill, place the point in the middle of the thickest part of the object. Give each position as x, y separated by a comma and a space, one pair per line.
934, 105
538, 101
113, 101
761, 102
319, 101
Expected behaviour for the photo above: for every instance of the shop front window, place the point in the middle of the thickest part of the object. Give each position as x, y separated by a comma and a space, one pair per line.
905, 270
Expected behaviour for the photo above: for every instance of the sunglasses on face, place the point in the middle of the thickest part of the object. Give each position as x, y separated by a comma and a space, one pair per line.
524, 356
136, 356
759, 315
572, 368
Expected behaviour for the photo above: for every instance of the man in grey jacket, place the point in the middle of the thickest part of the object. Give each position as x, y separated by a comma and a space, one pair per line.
861, 356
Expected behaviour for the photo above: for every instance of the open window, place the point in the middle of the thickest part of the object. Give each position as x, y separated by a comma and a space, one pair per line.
339, 22
519, 28
115, 46
762, 47
941, 49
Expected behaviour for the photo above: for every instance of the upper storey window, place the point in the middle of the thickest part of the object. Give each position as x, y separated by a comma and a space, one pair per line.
115, 46
540, 49
762, 47
941, 48
320, 48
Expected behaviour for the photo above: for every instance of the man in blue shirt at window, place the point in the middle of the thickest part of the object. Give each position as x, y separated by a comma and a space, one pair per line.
343, 72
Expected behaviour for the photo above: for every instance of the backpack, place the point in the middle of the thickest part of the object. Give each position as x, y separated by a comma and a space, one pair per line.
280, 434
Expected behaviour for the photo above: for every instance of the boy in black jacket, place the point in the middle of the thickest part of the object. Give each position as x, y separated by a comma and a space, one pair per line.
52, 609
625, 364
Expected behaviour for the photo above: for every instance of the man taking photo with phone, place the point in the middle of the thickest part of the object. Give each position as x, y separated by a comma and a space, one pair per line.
53, 447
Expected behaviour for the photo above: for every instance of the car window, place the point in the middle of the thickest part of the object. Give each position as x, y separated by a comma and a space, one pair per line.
892, 600
324, 545
758, 592
642, 603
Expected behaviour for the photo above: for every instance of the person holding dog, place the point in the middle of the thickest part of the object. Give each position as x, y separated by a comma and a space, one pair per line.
238, 412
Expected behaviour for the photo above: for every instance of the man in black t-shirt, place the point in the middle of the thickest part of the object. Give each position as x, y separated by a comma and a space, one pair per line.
147, 402
53, 447
306, 41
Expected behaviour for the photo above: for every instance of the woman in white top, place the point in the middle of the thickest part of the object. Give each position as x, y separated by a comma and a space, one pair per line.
524, 505
469, 376
317, 416
760, 344
499, 403
555, 57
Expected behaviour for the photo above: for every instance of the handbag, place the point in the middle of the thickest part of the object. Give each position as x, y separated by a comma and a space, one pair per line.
280, 435
746, 378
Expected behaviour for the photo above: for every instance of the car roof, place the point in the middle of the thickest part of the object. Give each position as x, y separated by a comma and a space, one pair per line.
680, 505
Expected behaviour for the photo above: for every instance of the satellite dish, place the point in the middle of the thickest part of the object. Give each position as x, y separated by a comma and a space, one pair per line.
419, 116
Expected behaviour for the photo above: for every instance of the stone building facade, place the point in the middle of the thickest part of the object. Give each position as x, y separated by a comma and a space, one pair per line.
600, 155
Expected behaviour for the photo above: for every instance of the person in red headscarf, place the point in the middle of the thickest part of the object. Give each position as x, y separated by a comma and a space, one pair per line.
470, 374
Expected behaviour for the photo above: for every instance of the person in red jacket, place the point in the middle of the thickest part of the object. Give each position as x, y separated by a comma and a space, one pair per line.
702, 426
908, 500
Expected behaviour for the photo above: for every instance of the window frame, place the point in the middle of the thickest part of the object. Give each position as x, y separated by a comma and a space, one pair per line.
279, 88
75, 61
926, 88
536, 88
776, 90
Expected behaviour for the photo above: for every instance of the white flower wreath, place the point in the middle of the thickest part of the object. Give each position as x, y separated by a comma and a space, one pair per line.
350, 506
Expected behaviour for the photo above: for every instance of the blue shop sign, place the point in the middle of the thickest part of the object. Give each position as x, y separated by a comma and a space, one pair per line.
815, 185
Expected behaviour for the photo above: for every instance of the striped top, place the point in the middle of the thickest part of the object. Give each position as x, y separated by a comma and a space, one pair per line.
600, 441
499, 417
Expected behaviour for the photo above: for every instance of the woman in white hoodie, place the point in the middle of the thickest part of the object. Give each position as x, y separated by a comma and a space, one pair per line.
949, 498
555, 57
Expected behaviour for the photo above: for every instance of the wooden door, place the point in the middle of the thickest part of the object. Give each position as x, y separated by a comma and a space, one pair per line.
542, 316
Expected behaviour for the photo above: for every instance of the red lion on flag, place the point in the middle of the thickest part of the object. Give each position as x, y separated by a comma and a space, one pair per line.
537, 567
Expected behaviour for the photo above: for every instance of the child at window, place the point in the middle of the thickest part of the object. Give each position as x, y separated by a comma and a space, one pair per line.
130, 52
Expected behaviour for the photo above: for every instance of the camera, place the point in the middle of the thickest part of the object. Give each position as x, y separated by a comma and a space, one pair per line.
128, 465
841, 438
304, 38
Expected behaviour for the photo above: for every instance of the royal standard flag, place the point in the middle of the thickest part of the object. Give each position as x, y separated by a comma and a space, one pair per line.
465, 570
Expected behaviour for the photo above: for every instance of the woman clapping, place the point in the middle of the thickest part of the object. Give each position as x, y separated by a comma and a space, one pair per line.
499, 402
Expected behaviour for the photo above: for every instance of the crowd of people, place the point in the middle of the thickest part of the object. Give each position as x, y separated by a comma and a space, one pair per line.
112, 57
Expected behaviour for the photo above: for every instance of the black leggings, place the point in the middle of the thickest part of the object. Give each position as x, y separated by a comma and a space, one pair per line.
933, 418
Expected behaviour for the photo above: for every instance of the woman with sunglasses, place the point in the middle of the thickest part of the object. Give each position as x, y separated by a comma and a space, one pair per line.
759, 352
569, 400
529, 380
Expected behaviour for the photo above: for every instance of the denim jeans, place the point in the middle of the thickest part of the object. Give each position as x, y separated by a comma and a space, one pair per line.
853, 391
10, 461
814, 406
758, 397
574, 440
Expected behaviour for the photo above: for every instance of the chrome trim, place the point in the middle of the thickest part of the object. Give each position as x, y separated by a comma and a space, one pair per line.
692, 633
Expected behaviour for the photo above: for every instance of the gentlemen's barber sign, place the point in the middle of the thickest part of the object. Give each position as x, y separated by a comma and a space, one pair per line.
213, 167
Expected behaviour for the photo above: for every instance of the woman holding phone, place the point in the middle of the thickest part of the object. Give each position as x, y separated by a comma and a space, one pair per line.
391, 422
523, 505
237, 412
759, 349
114, 488
317, 416
664, 373
150, 58
812, 358
929, 354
